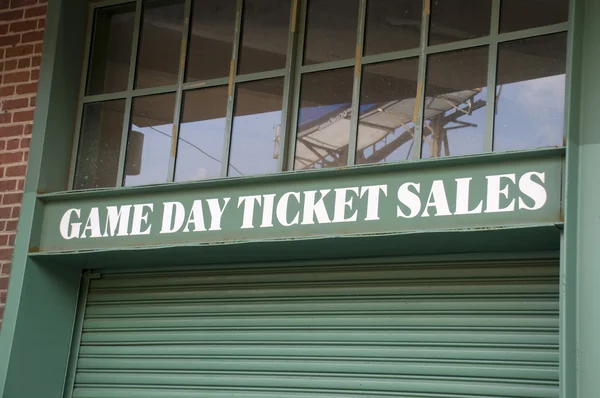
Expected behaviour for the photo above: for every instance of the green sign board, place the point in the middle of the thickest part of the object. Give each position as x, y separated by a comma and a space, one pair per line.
384, 200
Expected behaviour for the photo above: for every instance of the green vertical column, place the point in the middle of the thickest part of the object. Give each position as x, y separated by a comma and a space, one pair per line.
42, 299
581, 248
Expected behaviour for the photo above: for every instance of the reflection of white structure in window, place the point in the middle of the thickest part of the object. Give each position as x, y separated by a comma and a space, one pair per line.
384, 129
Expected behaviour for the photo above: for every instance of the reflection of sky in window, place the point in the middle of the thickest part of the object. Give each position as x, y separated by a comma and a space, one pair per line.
530, 115
253, 144
155, 155
309, 115
200, 150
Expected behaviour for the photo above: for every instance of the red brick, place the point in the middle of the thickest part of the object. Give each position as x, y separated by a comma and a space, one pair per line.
26, 156
38, 48
7, 91
5, 118
5, 254
12, 15
11, 240
16, 77
21, 183
9, 40
25, 143
42, 24
23, 26
29, 37
7, 185
11, 157
3, 29
36, 61
10, 65
35, 75
15, 171
12, 145
17, 103
24, 116
16, 212
24, 63
20, 51
32, 101
12, 198
2, 145
21, 3
5, 212
6, 268
11, 131
28, 129
39, 11
12, 225
3, 298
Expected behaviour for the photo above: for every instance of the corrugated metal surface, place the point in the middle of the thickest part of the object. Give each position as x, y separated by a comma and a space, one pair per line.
455, 330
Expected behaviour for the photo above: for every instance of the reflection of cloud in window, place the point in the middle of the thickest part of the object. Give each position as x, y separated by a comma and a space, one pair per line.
530, 114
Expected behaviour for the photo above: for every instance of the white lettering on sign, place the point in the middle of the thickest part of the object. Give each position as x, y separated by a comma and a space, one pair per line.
441, 198
533, 190
373, 196
463, 188
315, 208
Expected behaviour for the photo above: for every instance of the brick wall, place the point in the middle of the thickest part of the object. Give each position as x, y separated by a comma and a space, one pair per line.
22, 25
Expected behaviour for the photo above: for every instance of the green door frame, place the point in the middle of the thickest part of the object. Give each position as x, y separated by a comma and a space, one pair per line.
43, 293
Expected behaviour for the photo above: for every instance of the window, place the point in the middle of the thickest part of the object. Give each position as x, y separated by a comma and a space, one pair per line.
184, 90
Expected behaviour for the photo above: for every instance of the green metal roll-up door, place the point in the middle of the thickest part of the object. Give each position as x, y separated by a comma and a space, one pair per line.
460, 330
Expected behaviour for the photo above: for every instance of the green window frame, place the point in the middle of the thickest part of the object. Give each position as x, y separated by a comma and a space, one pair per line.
292, 75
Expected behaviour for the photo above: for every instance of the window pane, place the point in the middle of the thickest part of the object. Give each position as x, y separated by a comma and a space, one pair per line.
264, 35
331, 27
526, 14
531, 93
256, 123
149, 142
455, 100
99, 145
160, 43
387, 104
455, 20
201, 134
324, 119
392, 25
211, 39
111, 49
